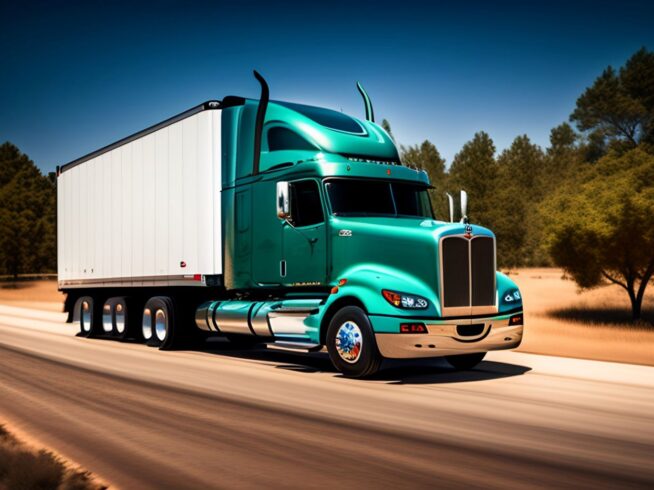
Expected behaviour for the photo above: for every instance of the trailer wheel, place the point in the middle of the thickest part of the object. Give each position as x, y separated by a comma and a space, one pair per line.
87, 317
116, 319
160, 327
108, 317
464, 362
351, 343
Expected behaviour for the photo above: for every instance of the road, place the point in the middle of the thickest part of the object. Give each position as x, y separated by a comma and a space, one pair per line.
141, 418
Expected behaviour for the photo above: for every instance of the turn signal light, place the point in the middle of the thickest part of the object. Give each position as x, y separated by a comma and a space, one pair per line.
516, 320
393, 298
413, 328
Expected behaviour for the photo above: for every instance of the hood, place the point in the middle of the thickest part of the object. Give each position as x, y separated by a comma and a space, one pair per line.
406, 248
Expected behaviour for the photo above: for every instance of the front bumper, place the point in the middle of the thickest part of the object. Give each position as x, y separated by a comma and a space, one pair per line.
443, 339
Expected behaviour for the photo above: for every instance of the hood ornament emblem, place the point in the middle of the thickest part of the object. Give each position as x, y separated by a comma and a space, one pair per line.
468, 232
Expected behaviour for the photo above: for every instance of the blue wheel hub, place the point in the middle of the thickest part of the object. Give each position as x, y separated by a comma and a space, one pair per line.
349, 342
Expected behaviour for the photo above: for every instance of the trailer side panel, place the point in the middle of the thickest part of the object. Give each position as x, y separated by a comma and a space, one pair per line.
145, 213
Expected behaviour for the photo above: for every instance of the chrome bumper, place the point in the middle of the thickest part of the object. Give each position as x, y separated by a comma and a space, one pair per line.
443, 340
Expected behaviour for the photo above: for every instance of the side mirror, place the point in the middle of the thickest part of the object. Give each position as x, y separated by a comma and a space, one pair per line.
283, 200
464, 206
450, 201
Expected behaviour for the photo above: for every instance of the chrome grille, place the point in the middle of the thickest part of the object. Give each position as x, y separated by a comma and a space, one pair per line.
468, 271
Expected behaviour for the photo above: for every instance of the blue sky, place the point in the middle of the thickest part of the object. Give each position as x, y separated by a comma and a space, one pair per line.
78, 75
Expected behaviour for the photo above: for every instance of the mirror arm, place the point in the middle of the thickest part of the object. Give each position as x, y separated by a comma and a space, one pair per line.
311, 241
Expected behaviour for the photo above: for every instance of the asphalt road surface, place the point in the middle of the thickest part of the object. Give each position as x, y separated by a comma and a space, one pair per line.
221, 418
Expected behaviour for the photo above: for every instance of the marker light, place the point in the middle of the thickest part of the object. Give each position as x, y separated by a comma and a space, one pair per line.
404, 300
516, 320
413, 328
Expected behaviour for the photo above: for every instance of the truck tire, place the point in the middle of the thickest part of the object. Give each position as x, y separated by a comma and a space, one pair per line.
124, 322
351, 343
160, 327
464, 362
87, 314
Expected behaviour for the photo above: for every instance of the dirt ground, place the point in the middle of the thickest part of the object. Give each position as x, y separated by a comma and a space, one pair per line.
595, 324
39, 294
559, 320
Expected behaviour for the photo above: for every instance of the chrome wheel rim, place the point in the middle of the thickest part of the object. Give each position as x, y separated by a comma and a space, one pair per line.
107, 323
147, 324
349, 342
119, 318
160, 324
85, 317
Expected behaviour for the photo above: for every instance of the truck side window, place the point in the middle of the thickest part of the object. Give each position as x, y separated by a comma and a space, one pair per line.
306, 208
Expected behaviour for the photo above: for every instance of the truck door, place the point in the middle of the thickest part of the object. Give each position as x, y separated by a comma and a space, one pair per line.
304, 237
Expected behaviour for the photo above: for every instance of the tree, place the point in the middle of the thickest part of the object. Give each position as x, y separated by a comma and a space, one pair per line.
27, 215
601, 224
426, 157
387, 127
519, 188
474, 169
562, 155
618, 108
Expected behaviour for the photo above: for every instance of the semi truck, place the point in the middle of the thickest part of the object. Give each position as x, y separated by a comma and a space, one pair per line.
278, 223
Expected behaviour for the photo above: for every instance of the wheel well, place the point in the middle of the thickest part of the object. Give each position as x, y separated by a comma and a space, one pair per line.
331, 311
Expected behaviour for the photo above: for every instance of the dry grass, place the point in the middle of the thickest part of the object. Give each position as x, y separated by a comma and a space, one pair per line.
39, 294
561, 320
24, 469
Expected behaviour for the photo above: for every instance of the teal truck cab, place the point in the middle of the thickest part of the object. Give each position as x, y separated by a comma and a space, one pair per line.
332, 243
329, 241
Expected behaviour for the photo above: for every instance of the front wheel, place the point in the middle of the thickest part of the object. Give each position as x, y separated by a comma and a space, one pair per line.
351, 343
464, 362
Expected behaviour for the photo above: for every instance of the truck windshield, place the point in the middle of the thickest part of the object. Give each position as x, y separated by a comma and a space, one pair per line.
352, 197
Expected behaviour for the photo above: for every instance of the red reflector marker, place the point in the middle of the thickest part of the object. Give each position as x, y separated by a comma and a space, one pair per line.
197, 277
413, 328
515, 320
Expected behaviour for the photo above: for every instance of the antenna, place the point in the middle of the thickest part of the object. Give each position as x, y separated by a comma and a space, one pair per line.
258, 126
370, 115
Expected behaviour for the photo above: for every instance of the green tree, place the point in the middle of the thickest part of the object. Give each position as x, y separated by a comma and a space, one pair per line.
519, 188
27, 215
426, 157
474, 170
387, 127
562, 156
600, 225
618, 109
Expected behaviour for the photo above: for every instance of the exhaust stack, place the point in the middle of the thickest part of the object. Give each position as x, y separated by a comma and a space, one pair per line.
370, 115
261, 116
464, 206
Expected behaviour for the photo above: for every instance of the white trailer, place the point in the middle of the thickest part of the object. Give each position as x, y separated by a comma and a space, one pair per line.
146, 210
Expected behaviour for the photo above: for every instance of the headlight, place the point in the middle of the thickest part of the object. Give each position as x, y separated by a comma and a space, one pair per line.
512, 296
404, 300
